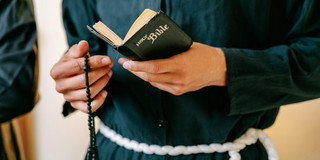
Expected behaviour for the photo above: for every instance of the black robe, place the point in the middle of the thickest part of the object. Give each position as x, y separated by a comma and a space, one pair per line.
272, 51
17, 58
17, 72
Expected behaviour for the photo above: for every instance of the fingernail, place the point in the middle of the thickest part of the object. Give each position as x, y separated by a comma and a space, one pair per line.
127, 65
121, 60
110, 73
104, 94
111, 65
105, 60
81, 42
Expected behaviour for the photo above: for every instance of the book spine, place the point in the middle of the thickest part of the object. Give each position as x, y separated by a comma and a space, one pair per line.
127, 52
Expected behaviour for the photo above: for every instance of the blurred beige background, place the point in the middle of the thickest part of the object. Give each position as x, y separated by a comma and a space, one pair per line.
296, 132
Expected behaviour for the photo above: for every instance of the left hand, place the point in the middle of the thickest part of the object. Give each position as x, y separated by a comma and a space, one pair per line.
200, 66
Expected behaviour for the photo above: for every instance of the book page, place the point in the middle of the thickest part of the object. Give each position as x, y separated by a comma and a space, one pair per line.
143, 19
108, 33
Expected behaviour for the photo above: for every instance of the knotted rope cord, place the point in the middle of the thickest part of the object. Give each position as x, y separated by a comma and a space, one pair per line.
92, 153
233, 148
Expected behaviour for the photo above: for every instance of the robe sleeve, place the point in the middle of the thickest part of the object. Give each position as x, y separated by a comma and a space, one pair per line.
17, 58
285, 73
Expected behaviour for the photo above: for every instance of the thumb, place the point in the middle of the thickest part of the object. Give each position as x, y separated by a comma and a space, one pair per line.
78, 50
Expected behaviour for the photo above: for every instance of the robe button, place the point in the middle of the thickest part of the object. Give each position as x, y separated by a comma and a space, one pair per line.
160, 123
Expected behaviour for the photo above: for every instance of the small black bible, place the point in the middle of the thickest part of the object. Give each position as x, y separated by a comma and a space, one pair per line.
152, 36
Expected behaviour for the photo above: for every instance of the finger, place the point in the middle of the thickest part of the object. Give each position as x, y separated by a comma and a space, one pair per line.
74, 66
95, 104
77, 50
159, 78
152, 66
80, 94
173, 89
79, 105
98, 100
78, 81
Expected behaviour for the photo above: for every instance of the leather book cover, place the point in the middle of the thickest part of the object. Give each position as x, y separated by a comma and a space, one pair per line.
160, 38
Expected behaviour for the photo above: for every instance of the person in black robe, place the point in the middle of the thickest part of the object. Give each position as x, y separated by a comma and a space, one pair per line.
248, 58
17, 72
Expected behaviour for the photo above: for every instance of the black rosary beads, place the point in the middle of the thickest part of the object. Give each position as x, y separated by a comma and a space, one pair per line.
92, 153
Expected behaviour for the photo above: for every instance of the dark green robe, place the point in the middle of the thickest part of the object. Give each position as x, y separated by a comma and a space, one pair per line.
272, 50
17, 58
17, 72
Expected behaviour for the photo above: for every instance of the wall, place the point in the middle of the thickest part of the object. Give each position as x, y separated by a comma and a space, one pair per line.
56, 138
296, 132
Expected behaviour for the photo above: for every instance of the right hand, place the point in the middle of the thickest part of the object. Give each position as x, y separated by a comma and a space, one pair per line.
70, 78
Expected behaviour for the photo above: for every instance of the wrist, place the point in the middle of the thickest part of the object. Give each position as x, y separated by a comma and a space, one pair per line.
220, 75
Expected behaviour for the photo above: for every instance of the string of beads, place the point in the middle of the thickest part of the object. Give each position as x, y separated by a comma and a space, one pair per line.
92, 153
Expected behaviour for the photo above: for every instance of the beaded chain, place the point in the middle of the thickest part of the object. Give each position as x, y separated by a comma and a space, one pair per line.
92, 153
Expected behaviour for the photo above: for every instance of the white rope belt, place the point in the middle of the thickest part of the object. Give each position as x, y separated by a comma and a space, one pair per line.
233, 148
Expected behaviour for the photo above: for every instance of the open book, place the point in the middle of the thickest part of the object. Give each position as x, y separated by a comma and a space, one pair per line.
152, 36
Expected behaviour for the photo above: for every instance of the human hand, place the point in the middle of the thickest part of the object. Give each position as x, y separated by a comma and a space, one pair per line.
70, 78
198, 67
